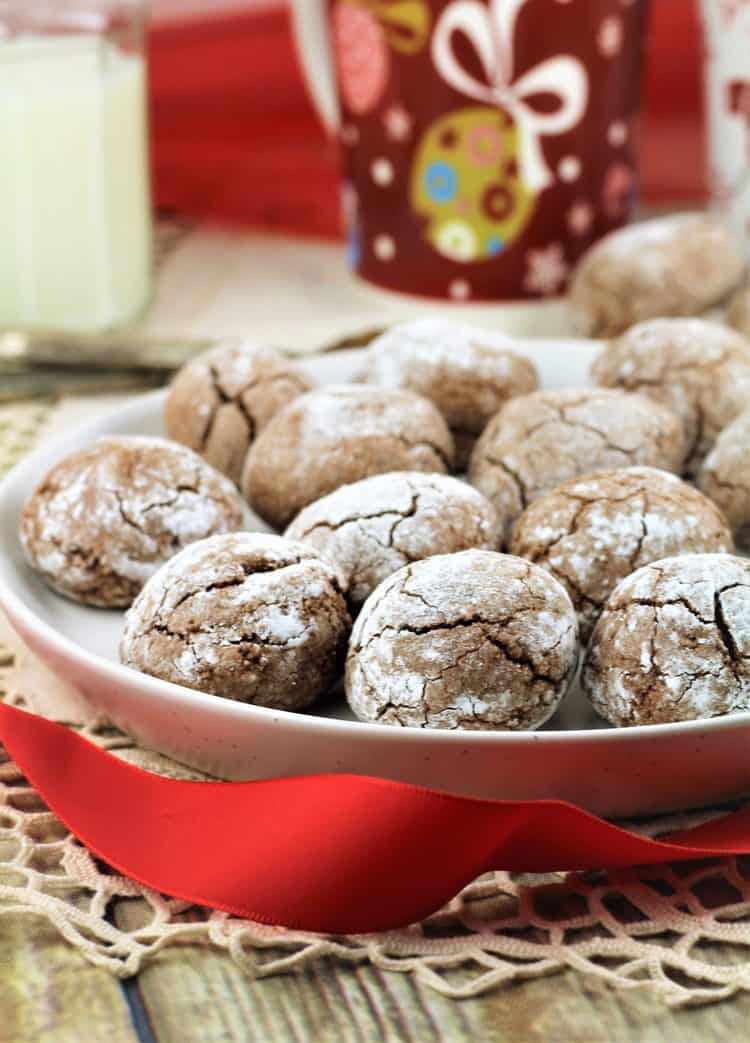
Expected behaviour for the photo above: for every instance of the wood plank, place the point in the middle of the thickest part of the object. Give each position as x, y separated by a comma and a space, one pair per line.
194, 995
50, 994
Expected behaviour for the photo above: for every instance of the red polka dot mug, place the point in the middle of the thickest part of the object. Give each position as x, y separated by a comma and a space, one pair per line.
485, 143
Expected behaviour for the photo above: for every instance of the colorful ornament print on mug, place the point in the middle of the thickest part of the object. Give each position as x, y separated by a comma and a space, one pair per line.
363, 32
486, 143
478, 170
467, 183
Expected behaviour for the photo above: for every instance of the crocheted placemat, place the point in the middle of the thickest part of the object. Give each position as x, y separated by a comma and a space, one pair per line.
656, 927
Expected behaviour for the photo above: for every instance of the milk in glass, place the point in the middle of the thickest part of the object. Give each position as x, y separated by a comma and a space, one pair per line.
75, 221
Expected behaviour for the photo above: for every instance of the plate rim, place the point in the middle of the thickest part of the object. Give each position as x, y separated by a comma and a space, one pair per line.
39, 459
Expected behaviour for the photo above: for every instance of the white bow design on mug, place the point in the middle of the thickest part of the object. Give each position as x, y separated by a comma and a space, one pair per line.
490, 30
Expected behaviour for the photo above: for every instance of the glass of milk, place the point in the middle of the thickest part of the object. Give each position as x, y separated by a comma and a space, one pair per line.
75, 208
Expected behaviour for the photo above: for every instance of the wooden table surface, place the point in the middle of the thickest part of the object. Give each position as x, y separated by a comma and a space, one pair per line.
284, 293
50, 994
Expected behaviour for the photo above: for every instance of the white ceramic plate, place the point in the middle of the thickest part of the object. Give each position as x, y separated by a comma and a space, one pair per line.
609, 771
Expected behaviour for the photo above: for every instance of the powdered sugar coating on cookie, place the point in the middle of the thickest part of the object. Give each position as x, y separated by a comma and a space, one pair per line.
699, 369
247, 616
474, 640
338, 435
592, 532
725, 476
374, 527
677, 265
673, 643
221, 399
469, 373
540, 440
105, 518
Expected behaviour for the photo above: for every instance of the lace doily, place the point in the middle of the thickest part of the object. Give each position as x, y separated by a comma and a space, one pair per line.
19, 426
657, 927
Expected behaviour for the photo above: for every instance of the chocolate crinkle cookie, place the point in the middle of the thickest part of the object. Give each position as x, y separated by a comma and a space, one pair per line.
678, 265
725, 477
106, 518
468, 373
374, 527
338, 435
474, 640
540, 440
699, 369
247, 616
592, 532
673, 643
738, 313
220, 400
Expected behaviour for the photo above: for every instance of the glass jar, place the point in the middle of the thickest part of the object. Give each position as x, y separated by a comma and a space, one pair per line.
75, 209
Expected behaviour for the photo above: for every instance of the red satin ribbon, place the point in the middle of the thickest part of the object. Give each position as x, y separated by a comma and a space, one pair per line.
331, 853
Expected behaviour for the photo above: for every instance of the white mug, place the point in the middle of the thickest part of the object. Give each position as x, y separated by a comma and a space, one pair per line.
727, 83
310, 24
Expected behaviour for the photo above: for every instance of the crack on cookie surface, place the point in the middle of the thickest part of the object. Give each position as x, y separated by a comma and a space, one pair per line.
244, 619
518, 458
592, 532
680, 659
374, 527
434, 663
693, 367
105, 518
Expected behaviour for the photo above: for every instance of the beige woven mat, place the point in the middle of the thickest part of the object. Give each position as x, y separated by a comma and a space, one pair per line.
682, 931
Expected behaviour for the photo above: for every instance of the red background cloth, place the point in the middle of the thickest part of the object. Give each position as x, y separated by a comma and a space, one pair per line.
235, 137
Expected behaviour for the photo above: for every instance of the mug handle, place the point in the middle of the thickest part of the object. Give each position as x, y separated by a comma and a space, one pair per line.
313, 43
